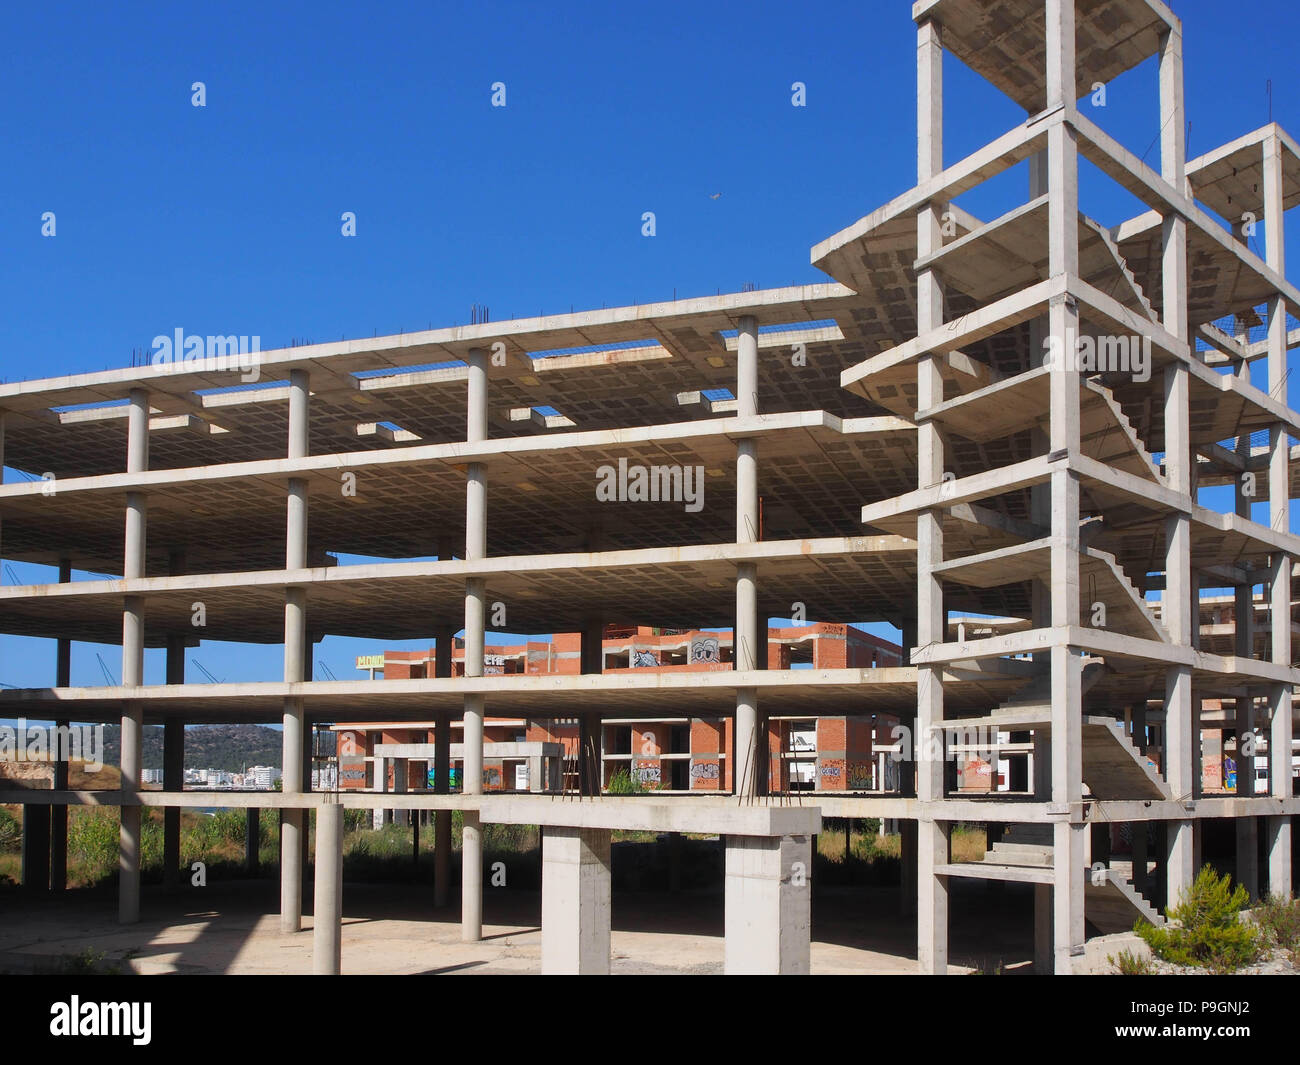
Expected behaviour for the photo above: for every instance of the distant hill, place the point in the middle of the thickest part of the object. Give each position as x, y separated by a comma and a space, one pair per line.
228, 747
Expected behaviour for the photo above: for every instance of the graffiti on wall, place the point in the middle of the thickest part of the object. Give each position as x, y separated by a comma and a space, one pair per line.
352, 760
704, 650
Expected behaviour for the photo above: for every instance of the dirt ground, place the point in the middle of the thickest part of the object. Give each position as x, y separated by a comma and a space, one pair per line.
393, 928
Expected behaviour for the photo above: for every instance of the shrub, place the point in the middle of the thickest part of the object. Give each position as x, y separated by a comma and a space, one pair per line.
356, 820
623, 783
1130, 964
1206, 929
1279, 920
93, 835
11, 832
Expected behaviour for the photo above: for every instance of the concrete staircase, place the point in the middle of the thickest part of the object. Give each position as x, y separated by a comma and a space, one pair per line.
1107, 435
1126, 610
1112, 903
892, 384
1032, 704
1131, 293
1112, 767
1023, 846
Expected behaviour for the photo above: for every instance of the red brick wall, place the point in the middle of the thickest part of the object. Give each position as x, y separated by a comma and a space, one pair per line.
706, 745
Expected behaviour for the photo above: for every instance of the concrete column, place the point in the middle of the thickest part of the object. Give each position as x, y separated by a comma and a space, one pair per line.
36, 848
931, 835
173, 754
1044, 951
292, 821
62, 679
59, 823
400, 773
1064, 432
137, 461
381, 786
252, 840
128, 862
442, 654
475, 615
1247, 828
173, 780
907, 838
768, 918
442, 818
575, 901
1179, 607
1139, 828
1281, 729
746, 750
591, 662
327, 909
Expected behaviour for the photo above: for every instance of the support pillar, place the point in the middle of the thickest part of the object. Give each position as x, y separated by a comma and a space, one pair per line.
907, 837
327, 908
36, 848
252, 840
768, 918
1247, 828
137, 461
59, 813
747, 751
1281, 728
1044, 952
931, 835
1069, 838
442, 818
173, 769
292, 821
576, 902
471, 900
591, 662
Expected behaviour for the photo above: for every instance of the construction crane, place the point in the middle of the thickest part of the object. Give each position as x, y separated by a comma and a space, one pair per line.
103, 666
323, 669
206, 672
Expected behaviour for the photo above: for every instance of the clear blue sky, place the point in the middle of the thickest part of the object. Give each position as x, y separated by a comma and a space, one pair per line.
226, 218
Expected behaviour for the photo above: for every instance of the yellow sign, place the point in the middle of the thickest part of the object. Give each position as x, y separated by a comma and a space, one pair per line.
370, 661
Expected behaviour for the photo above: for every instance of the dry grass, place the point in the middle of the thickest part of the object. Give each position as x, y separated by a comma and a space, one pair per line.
968, 845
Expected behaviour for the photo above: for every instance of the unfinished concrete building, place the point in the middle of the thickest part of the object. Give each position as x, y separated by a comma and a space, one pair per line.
897, 449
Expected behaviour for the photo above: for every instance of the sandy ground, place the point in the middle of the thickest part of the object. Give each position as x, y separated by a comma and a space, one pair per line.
393, 928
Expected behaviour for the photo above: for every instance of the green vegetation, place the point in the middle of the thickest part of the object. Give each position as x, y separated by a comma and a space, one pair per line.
1278, 920
92, 963
623, 783
228, 747
645, 859
1206, 929
1130, 964
11, 831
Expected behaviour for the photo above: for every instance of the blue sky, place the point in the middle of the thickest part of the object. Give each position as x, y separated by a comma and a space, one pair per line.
226, 218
